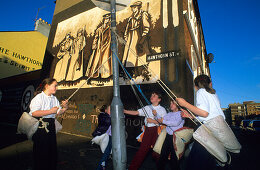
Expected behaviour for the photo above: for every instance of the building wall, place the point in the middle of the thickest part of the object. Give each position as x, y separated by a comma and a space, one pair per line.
168, 32
253, 108
21, 52
236, 109
21, 60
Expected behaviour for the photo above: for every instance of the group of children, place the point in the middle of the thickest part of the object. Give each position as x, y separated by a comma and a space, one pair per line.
47, 106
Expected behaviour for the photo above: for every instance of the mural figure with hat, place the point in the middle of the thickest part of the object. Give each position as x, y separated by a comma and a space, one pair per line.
75, 70
64, 54
101, 47
136, 33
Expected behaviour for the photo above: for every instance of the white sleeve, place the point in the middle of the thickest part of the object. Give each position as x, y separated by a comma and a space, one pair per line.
141, 111
36, 104
202, 101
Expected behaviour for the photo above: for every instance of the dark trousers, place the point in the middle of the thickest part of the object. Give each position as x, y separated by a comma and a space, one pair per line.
167, 149
45, 147
149, 139
200, 159
106, 153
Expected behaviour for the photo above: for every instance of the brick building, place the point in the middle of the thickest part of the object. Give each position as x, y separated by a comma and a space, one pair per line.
252, 108
247, 110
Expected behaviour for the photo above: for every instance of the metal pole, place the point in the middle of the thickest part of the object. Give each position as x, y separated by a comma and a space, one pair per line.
117, 116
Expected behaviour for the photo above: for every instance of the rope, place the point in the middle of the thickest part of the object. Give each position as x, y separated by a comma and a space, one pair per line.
138, 87
82, 85
87, 80
178, 105
121, 40
136, 95
140, 102
44, 125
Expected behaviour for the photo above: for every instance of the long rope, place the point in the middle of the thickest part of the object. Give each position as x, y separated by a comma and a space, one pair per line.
137, 96
87, 80
138, 87
160, 82
120, 39
82, 85
140, 102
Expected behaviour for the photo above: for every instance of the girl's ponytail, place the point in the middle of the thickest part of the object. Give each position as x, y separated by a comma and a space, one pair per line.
203, 81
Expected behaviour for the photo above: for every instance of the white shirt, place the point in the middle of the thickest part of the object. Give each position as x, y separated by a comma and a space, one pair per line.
160, 113
209, 103
43, 102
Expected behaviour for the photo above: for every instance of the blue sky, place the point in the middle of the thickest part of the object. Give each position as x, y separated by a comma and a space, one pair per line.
232, 33
231, 30
18, 15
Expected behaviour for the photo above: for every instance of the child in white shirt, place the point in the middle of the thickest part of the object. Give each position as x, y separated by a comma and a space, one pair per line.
45, 106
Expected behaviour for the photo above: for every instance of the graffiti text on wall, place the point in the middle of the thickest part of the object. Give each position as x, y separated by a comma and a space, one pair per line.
11, 54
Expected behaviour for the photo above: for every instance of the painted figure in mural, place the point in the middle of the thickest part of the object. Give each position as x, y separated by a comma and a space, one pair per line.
101, 51
65, 52
75, 70
136, 33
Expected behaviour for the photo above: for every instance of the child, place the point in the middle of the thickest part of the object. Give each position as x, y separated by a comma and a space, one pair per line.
173, 121
46, 106
104, 121
154, 111
104, 126
207, 107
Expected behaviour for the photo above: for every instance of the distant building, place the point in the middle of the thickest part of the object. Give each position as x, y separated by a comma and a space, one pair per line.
253, 108
21, 59
236, 109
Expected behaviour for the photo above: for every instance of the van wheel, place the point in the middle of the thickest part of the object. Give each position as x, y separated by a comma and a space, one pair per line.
26, 98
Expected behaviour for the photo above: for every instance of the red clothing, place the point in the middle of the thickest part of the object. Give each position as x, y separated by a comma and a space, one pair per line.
149, 139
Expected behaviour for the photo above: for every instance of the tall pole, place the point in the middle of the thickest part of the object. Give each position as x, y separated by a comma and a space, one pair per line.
117, 116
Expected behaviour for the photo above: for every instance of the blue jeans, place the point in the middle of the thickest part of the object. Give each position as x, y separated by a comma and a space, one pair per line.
106, 153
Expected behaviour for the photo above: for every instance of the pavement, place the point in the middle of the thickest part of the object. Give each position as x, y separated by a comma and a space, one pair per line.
77, 153
74, 152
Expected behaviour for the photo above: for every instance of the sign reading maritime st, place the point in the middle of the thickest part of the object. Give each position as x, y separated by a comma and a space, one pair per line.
164, 55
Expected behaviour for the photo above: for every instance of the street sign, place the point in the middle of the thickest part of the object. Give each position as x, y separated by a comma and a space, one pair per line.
105, 4
161, 56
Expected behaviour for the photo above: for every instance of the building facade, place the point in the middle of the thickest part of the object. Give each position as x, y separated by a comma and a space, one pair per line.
237, 111
158, 40
252, 108
21, 59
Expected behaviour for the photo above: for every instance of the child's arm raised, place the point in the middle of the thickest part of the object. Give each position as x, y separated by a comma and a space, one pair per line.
131, 112
192, 108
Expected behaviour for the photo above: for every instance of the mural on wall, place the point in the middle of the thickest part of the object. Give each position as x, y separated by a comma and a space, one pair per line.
101, 51
82, 46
